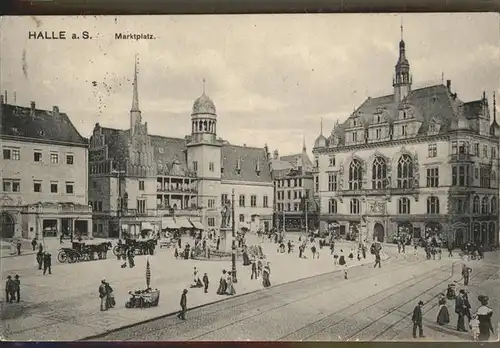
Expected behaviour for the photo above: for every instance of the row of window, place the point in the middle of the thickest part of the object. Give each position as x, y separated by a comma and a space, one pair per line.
14, 185
488, 206
280, 195
289, 182
405, 175
242, 200
463, 147
14, 154
288, 207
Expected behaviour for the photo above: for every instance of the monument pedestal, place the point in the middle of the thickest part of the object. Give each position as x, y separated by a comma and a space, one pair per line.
226, 239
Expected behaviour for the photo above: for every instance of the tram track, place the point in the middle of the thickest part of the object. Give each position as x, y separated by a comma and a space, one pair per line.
257, 307
254, 299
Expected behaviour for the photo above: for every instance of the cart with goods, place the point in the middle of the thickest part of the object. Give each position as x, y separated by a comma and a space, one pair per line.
144, 298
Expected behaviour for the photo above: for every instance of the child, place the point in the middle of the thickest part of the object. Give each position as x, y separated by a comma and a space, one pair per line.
474, 325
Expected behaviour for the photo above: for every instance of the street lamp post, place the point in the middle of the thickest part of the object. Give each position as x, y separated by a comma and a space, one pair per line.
119, 201
233, 247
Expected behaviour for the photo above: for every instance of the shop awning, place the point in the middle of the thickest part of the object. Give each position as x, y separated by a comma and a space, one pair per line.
183, 222
198, 225
169, 223
146, 226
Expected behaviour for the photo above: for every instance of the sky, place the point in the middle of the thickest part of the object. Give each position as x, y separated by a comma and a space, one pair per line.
272, 77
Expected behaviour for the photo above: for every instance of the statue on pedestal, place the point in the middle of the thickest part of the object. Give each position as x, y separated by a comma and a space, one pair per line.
226, 215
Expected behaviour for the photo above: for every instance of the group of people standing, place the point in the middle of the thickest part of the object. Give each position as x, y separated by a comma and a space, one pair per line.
13, 289
106, 295
44, 259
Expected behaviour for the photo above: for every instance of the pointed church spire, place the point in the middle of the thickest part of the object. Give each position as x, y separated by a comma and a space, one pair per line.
304, 149
135, 95
494, 108
321, 127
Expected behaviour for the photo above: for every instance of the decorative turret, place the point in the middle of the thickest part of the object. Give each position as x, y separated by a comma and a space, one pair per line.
321, 140
494, 128
402, 78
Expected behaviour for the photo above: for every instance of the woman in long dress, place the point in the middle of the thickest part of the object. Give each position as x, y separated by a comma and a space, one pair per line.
484, 314
343, 263
230, 285
443, 316
222, 284
265, 276
246, 259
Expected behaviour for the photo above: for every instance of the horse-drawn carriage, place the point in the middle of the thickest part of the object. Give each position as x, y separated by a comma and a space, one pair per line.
140, 246
81, 251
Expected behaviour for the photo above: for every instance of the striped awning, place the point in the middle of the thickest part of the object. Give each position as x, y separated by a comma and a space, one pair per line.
183, 222
169, 223
146, 226
198, 225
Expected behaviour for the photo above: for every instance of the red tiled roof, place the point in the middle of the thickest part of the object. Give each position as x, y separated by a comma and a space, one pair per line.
40, 124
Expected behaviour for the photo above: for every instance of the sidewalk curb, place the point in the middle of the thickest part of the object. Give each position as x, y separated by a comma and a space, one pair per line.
23, 254
93, 337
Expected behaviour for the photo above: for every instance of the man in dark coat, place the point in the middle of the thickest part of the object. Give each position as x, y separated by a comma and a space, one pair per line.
377, 259
47, 263
17, 288
417, 320
9, 287
19, 245
183, 303
205, 283
254, 270
450, 249
461, 310
218, 243
34, 243
465, 274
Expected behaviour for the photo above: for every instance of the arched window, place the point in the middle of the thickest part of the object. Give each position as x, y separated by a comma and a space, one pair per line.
494, 205
355, 175
332, 206
484, 205
379, 173
405, 172
355, 206
404, 206
475, 205
493, 178
432, 205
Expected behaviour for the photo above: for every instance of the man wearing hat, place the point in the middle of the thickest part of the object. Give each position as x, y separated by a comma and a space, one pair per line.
461, 310
417, 320
47, 263
17, 288
9, 287
182, 313
103, 295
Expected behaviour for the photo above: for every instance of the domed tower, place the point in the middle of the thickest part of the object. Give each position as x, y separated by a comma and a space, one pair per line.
204, 120
321, 140
402, 78
204, 155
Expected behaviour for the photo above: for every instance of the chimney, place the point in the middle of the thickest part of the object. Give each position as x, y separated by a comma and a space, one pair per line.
55, 111
448, 85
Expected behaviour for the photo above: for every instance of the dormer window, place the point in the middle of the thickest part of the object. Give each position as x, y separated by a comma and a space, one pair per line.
238, 166
354, 137
378, 119
257, 168
355, 122
404, 115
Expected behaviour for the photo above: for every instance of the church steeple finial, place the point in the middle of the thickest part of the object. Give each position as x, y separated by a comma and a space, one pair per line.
402, 78
135, 95
321, 126
494, 108
304, 149
203, 85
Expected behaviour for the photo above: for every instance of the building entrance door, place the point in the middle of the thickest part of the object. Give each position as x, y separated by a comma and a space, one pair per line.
378, 232
7, 226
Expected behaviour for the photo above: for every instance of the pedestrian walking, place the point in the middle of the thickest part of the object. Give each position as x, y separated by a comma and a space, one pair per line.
450, 249
205, 283
19, 245
415, 250
466, 273
61, 239
259, 268
34, 243
460, 309
443, 316
110, 297
218, 243
417, 320
313, 250
343, 263
266, 282
440, 252
131, 256
9, 286
103, 295
377, 260
399, 247
484, 314
403, 247
254, 270
183, 303
17, 288
39, 258
47, 263
335, 259
474, 326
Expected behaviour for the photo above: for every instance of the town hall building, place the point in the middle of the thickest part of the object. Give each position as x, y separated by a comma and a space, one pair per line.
417, 163
139, 181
